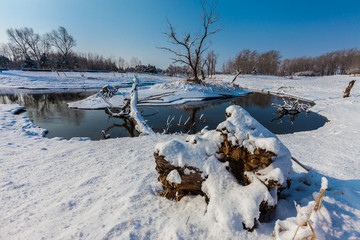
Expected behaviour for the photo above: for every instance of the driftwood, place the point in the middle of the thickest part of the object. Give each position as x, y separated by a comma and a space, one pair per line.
348, 89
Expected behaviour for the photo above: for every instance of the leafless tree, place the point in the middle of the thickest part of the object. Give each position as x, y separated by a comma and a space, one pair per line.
45, 44
122, 64
16, 37
5, 51
268, 62
62, 40
134, 61
33, 41
192, 47
211, 61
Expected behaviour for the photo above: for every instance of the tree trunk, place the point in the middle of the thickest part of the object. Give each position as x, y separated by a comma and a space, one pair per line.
348, 89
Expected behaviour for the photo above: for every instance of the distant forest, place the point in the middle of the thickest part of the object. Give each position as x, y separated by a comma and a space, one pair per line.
269, 63
54, 51
28, 50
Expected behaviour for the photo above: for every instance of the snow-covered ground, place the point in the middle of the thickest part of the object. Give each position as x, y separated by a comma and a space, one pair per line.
81, 189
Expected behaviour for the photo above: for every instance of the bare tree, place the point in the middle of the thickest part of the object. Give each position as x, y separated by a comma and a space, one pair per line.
134, 61
45, 44
121, 64
193, 47
32, 40
16, 37
211, 61
62, 40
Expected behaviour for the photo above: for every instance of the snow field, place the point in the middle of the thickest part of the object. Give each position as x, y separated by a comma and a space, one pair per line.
81, 189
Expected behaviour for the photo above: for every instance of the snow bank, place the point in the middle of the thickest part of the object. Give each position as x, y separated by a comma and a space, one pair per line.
20, 125
172, 93
231, 204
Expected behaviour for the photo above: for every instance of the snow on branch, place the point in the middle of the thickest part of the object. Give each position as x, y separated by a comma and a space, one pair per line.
290, 108
128, 110
140, 124
308, 222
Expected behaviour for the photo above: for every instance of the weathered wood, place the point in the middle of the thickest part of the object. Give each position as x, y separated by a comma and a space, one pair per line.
241, 160
348, 89
237, 74
190, 184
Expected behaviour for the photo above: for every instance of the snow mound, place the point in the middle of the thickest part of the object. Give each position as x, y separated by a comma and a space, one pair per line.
235, 196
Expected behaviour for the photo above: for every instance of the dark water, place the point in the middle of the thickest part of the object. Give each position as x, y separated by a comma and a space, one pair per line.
49, 111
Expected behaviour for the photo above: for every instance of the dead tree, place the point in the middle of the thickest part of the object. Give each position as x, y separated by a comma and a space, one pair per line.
237, 74
348, 89
193, 47
128, 110
290, 108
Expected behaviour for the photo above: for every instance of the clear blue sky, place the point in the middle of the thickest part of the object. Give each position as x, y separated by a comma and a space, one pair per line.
133, 28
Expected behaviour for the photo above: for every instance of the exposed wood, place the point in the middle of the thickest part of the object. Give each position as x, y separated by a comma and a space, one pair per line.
190, 184
348, 89
237, 74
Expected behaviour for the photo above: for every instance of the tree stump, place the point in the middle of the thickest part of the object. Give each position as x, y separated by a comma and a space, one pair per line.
348, 89
255, 159
191, 179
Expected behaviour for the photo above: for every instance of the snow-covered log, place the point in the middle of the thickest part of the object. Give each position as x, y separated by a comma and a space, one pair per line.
240, 168
140, 124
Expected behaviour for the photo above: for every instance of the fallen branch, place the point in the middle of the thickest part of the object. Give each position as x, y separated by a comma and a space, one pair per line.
237, 74
348, 89
135, 115
295, 160
296, 227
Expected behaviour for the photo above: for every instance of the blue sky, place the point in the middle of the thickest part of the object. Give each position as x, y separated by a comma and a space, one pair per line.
133, 28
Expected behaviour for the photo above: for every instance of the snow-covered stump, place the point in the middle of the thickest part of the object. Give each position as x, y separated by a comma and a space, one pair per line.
240, 168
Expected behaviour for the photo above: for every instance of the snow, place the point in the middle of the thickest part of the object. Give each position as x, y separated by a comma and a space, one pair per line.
174, 177
76, 189
141, 125
169, 93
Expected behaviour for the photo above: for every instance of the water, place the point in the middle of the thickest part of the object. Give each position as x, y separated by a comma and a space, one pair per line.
49, 111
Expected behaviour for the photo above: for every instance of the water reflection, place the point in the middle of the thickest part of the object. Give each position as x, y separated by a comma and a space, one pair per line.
50, 111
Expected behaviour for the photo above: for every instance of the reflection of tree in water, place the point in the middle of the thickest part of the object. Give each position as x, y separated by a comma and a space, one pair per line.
42, 106
127, 124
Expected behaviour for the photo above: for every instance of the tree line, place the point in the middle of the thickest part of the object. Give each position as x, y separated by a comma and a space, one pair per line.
345, 61
27, 49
